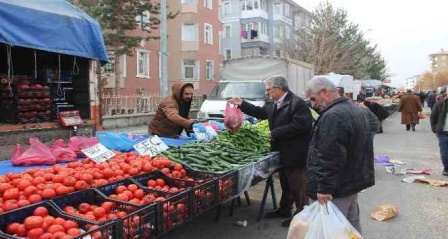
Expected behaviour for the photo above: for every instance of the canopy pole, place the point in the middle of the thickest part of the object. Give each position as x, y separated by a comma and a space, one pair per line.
163, 50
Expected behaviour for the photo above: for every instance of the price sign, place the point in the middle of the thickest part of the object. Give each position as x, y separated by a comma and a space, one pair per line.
98, 153
151, 146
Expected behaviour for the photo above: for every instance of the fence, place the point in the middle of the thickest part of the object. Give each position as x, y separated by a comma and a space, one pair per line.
136, 104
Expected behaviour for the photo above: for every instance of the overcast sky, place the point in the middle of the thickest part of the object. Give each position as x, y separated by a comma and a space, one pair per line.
406, 31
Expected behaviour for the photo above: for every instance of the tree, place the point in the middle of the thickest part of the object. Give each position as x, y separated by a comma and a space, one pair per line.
441, 78
117, 18
427, 81
333, 44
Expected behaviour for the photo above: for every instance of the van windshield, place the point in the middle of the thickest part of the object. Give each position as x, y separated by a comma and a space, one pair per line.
246, 90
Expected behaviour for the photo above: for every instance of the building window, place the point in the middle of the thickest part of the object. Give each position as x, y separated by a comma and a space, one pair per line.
208, 4
226, 8
208, 34
277, 53
277, 8
190, 69
278, 32
264, 28
189, 32
209, 73
263, 5
227, 54
227, 31
188, 1
247, 5
143, 63
287, 32
287, 11
143, 20
109, 67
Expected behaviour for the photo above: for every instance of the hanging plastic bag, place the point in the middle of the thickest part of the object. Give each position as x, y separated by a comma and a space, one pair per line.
58, 144
37, 154
321, 222
233, 118
113, 141
77, 143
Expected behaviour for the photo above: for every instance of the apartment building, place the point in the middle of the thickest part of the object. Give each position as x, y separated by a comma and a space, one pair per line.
439, 61
193, 51
259, 27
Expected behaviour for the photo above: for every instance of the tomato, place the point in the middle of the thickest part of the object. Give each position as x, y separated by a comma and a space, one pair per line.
73, 232
58, 235
4, 187
49, 220
151, 183
23, 202
139, 193
69, 181
32, 222
181, 208
165, 170
59, 221
48, 193
40, 211
123, 197
35, 233
46, 235
69, 209
121, 214
111, 216
178, 167
120, 189
55, 228
176, 174
30, 190
58, 178
174, 190
147, 167
132, 187
12, 193
99, 212
129, 193
108, 206
160, 182
68, 224
86, 177
38, 180
21, 231
34, 198
134, 171
83, 208
108, 173
98, 175
12, 228
62, 190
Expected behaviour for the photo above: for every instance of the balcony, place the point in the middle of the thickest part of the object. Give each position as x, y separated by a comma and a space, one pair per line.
259, 38
254, 14
189, 8
279, 17
190, 45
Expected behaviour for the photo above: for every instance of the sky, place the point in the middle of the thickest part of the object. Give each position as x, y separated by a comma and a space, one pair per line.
406, 32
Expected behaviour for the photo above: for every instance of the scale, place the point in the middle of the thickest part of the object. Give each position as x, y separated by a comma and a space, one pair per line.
70, 119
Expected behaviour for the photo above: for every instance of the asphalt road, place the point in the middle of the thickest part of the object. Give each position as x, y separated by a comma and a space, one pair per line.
422, 208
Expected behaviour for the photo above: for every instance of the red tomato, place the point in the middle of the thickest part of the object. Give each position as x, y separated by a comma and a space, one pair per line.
32, 222
120, 189
34, 198
99, 212
12, 193
40, 211
160, 182
68, 224
55, 228
12, 228
73, 232
35, 233
83, 208
151, 183
48, 193
4, 187
21, 231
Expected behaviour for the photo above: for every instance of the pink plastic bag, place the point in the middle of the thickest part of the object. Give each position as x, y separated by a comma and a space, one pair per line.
18, 151
62, 153
37, 154
233, 118
78, 143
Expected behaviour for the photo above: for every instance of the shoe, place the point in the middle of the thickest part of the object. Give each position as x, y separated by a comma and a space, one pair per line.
279, 213
413, 128
408, 129
286, 222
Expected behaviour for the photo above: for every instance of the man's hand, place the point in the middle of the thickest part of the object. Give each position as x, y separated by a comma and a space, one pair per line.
324, 198
236, 101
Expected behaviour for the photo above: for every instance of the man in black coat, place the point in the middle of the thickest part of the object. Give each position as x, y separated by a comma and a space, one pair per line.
380, 112
290, 123
340, 158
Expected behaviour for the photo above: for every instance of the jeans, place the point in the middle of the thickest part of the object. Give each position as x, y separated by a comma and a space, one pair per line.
443, 145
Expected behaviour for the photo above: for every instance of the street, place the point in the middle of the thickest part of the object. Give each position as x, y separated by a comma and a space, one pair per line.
422, 212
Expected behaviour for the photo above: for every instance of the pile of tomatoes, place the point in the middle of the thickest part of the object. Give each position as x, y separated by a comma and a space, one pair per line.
34, 185
42, 225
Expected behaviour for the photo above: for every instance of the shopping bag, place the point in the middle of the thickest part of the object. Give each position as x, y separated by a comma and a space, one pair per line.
421, 116
62, 153
37, 154
77, 143
233, 118
322, 222
113, 141
17, 152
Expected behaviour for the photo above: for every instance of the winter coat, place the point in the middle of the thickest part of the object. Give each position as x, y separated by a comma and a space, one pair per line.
410, 106
172, 114
340, 158
290, 127
438, 116
380, 111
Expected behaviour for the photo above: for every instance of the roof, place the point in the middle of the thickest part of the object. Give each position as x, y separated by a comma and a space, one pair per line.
51, 25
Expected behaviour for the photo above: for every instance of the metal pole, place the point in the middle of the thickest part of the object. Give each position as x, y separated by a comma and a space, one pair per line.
163, 50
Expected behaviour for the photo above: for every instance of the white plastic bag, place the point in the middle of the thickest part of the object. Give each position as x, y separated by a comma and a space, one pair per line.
321, 222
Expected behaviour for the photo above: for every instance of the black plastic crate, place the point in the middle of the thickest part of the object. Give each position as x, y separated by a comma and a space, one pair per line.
103, 231
175, 211
197, 176
228, 186
205, 196
142, 220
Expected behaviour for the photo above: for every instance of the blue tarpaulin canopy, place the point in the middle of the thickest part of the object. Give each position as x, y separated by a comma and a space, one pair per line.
51, 25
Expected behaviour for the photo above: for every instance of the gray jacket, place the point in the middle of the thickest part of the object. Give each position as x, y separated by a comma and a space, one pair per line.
438, 116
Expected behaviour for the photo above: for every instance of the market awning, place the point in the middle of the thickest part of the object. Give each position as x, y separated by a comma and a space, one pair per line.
51, 25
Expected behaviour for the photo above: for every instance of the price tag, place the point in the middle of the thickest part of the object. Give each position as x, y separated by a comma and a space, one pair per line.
151, 146
98, 153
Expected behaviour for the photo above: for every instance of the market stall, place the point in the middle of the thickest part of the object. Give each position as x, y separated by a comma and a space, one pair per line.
46, 67
136, 195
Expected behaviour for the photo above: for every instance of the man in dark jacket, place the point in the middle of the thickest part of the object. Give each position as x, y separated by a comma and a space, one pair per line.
340, 158
290, 123
432, 99
380, 112
439, 125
